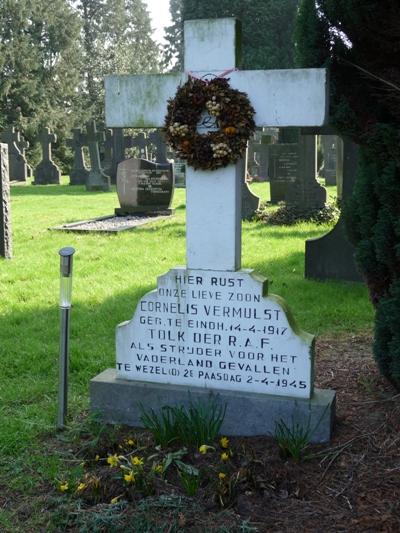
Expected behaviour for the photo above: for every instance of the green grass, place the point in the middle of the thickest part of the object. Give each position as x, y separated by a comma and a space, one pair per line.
111, 272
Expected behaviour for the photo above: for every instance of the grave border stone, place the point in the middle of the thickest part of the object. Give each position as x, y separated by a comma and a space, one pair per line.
323, 260
5, 205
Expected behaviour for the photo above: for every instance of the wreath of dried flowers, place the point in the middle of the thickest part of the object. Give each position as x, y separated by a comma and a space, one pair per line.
234, 116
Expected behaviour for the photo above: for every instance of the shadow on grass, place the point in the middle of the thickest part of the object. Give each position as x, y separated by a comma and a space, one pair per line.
55, 190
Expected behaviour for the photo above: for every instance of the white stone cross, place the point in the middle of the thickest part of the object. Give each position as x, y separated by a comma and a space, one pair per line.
213, 198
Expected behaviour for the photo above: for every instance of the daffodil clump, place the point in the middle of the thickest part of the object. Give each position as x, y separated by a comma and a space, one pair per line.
135, 469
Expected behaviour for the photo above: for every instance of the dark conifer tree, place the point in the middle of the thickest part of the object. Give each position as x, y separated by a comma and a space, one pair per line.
364, 52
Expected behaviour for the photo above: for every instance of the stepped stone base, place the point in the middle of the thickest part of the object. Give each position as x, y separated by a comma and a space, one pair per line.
247, 414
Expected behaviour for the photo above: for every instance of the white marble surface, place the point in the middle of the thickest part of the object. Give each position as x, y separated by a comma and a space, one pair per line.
215, 329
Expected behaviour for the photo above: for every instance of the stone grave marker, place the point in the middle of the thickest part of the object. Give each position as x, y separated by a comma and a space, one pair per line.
23, 145
142, 143
107, 155
144, 187
211, 326
305, 192
262, 156
328, 170
283, 169
18, 167
180, 174
78, 173
120, 143
156, 138
332, 255
250, 201
97, 180
46, 172
5, 203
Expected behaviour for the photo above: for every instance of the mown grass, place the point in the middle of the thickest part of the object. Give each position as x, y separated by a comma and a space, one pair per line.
111, 272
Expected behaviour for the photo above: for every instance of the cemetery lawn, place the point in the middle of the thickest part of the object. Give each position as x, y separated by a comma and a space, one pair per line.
111, 272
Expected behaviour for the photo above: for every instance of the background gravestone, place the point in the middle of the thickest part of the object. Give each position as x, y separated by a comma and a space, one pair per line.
305, 192
283, 169
17, 165
180, 174
78, 173
157, 141
97, 180
144, 187
142, 143
332, 255
107, 154
23, 145
328, 169
261, 153
5, 215
250, 201
47, 172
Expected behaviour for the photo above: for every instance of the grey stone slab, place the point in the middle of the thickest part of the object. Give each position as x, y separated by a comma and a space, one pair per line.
78, 173
247, 414
47, 172
250, 202
17, 165
5, 204
110, 224
97, 180
332, 255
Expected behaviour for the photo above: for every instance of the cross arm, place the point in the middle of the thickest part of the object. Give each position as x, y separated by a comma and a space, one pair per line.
293, 97
139, 101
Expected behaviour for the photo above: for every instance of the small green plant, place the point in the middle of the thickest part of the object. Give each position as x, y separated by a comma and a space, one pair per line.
193, 426
189, 477
162, 425
292, 441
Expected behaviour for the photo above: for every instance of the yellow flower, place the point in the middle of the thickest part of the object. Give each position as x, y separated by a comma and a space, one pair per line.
115, 500
221, 476
130, 478
204, 448
130, 442
81, 487
97, 458
113, 460
224, 456
137, 461
224, 442
158, 469
63, 487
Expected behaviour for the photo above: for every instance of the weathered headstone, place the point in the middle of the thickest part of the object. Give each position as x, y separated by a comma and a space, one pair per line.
209, 325
305, 192
332, 255
5, 214
23, 145
107, 162
156, 138
180, 174
283, 169
18, 167
46, 172
142, 143
250, 201
144, 187
79, 173
97, 180
262, 156
328, 170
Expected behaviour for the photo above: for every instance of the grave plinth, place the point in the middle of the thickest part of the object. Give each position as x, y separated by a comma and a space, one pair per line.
5, 203
210, 327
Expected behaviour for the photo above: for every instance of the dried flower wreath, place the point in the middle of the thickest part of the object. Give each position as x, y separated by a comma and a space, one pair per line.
234, 117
